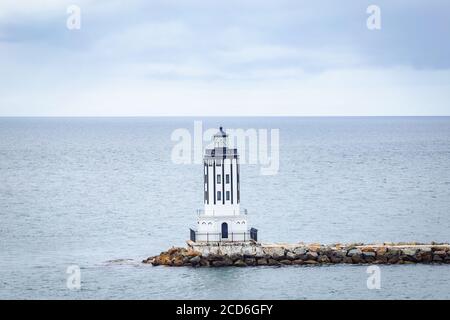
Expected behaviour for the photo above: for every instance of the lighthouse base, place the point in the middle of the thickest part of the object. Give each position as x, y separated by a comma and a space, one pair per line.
249, 248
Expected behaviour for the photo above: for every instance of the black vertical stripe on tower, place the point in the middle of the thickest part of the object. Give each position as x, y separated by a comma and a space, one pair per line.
207, 182
231, 179
223, 182
204, 183
214, 180
238, 188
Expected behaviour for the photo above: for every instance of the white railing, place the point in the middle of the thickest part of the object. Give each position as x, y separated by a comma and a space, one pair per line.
196, 236
201, 212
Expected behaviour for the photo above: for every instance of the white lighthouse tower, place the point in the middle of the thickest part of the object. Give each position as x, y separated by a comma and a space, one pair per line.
222, 219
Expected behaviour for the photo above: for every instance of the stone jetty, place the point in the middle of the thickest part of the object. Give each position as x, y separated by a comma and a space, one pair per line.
245, 254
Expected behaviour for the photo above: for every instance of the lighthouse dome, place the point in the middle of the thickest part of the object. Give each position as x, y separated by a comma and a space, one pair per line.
221, 139
221, 133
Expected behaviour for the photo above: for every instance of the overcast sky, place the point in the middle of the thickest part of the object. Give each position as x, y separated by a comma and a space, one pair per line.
230, 57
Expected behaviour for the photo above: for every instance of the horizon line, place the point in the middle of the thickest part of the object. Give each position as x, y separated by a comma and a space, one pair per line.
227, 116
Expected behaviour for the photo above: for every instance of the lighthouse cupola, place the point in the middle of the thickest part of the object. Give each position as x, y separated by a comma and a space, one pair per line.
221, 139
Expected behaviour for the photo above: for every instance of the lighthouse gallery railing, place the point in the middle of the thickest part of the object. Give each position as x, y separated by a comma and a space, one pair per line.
201, 212
217, 236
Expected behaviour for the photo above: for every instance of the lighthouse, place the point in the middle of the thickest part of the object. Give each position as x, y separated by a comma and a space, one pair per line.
222, 219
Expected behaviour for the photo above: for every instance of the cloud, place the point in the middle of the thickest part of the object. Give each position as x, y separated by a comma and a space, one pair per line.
256, 57
142, 38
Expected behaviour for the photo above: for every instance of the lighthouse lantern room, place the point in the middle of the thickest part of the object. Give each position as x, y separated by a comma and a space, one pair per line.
222, 219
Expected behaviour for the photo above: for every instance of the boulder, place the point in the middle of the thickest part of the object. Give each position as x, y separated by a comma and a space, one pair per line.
441, 253
353, 252
325, 250
302, 257
336, 259
163, 259
369, 256
218, 263
261, 262
272, 262
393, 252
338, 255
311, 255
148, 260
250, 261
286, 262
323, 259
366, 254
298, 262
195, 260
314, 247
347, 260
408, 258
173, 250
291, 255
205, 263
186, 260
426, 257
275, 252
381, 251
439, 248
240, 263
381, 259
192, 253
409, 252
393, 259
300, 251
215, 257
178, 261
227, 261
249, 251
356, 258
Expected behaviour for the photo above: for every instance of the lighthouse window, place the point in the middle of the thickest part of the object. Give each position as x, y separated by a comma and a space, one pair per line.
219, 195
227, 178
228, 195
219, 180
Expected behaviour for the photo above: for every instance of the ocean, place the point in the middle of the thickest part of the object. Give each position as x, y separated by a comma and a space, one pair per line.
104, 193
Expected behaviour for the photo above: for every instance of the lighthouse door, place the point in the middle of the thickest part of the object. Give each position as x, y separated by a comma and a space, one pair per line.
224, 230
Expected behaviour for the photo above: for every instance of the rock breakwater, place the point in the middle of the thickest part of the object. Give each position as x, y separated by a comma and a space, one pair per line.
256, 254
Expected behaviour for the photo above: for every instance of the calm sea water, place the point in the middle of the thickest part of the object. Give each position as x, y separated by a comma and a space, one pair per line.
87, 192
